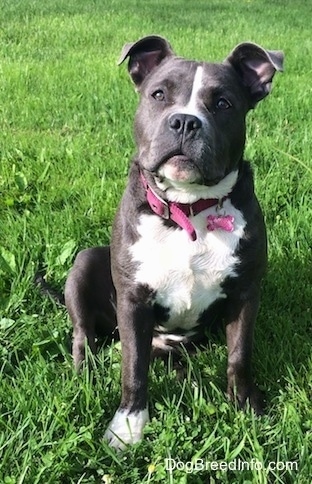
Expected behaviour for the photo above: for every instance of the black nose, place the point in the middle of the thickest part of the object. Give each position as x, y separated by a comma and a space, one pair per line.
184, 123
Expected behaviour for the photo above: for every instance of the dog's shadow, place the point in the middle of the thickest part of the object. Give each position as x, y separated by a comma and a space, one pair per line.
283, 334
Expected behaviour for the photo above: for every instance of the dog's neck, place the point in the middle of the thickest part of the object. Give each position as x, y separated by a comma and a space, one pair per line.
179, 212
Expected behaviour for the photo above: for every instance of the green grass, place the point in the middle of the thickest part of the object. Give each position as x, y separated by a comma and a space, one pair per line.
66, 115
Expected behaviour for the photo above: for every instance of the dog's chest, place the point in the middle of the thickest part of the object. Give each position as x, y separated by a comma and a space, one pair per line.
186, 275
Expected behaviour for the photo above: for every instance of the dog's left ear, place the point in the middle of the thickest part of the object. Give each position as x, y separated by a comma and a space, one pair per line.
256, 66
144, 55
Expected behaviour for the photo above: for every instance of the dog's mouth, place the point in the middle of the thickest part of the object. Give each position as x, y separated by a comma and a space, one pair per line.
179, 168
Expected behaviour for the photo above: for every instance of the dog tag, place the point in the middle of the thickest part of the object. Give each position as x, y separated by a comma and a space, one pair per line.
220, 222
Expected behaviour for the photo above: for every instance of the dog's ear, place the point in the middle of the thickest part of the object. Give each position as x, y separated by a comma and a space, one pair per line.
144, 55
256, 66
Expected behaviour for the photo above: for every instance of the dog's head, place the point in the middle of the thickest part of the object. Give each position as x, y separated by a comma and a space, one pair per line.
190, 123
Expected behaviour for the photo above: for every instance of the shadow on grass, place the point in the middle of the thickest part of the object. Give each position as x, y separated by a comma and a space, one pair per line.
284, 331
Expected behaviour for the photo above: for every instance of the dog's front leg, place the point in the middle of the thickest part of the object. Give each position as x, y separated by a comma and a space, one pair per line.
135, 322
239, 333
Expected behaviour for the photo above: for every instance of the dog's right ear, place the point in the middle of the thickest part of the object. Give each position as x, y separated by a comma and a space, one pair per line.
144, 55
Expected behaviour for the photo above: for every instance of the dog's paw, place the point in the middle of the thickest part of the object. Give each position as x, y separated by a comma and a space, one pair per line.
249, 394
126, 428
256, 400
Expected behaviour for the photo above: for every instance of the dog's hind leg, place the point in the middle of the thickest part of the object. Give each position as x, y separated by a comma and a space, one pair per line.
90, 299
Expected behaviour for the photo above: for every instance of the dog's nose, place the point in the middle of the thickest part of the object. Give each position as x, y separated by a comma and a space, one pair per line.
184, 123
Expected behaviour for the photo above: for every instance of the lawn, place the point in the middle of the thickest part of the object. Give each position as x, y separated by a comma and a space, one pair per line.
66, 113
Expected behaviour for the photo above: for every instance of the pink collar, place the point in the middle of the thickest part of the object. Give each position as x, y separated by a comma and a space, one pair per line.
179, 212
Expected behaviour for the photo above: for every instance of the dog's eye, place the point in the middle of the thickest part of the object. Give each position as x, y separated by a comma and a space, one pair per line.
223, 104
159, 95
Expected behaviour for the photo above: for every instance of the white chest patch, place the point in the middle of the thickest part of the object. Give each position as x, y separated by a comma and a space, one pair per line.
186, 275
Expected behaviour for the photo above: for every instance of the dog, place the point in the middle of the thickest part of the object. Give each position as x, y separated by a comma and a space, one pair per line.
188, 244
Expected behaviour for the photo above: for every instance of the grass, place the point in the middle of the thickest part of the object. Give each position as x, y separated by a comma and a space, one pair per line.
66, 115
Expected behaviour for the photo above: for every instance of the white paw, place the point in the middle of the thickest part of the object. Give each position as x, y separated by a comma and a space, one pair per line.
126, 428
